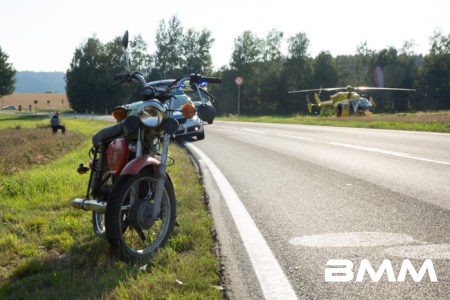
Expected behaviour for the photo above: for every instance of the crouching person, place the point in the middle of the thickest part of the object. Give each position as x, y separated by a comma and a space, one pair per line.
55, 121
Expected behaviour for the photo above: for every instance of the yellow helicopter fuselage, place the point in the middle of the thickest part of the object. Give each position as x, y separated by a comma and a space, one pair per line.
347, 104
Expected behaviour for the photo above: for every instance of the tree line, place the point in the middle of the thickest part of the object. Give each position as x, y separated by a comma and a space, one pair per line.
268, 73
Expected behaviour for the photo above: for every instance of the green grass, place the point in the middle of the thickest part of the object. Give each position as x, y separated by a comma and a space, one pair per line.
433, 121
48, 249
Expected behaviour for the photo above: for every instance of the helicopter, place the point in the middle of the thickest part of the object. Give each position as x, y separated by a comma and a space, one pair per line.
347, 101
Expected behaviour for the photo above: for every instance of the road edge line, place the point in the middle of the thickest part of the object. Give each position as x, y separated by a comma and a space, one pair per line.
273, 281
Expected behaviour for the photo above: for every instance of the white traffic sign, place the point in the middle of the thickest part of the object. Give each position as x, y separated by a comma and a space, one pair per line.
239, 80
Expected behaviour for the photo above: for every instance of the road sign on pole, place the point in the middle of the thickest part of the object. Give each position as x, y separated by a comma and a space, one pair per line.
239, 81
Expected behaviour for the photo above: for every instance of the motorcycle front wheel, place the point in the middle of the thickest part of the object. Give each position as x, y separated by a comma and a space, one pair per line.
131, 231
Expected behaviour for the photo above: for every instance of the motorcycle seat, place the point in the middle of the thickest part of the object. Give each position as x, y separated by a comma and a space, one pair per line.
125, 127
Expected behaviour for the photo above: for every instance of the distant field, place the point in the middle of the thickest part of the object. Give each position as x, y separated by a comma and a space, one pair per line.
45, 101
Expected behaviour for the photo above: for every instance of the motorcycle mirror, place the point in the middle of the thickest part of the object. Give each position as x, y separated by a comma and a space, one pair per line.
125, 46
206, 112
125, 40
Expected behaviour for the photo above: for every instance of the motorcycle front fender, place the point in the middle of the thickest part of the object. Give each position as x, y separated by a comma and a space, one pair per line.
134, 166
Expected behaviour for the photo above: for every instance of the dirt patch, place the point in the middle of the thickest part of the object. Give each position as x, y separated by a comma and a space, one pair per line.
24, 148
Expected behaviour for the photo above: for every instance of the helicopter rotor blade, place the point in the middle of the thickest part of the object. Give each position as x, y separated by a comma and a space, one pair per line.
305, 91
369, 88
351, 88
343, 88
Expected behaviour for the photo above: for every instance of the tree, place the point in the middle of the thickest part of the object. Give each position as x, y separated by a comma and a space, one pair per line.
168, 55
86, 77
297, 73
391, 70
346, 70
178, 52
139, 57
7, 75
298, 46
272, 46
259, 61
196, 47
248, 49
91, 73
270, 70
435, 74
325, 74
363, 71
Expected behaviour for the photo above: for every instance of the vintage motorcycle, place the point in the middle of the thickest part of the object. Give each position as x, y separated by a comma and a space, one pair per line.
130, 193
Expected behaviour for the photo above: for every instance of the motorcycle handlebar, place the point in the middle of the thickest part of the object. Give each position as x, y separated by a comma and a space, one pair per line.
212, 79
122, 76
129, 77
195, 78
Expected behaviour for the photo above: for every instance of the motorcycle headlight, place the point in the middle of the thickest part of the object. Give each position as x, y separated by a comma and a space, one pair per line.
151, 113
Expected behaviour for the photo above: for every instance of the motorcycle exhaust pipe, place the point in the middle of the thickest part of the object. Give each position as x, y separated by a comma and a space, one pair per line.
86, 204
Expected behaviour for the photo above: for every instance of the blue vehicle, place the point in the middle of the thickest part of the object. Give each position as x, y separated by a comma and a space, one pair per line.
187, 127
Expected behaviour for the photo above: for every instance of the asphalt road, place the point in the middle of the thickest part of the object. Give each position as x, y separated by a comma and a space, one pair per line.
369, 197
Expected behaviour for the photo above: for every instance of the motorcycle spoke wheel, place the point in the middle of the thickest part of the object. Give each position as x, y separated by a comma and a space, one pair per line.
131, 232
98, 222
98, 219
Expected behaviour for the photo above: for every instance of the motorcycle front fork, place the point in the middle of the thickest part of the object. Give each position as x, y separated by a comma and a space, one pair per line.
161, 177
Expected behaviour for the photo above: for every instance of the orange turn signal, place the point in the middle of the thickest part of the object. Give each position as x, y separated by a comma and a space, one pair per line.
188, 110
119, 113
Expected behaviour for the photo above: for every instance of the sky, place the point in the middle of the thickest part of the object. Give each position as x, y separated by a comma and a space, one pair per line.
42, 35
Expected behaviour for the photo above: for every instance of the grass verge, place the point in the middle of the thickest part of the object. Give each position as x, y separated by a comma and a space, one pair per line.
430, 121
48, 249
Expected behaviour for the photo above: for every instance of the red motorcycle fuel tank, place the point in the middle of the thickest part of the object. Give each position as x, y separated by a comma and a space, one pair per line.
117, 154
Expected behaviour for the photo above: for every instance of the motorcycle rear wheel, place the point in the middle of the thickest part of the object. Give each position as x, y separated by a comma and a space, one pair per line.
130, 230
98, 219
98, 223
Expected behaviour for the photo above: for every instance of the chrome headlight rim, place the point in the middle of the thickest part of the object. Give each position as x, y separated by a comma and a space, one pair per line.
151, 113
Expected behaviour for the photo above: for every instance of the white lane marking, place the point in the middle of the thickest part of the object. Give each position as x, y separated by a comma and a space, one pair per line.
271, 277
253, 130
296, 137
353, 239
431, 251
397, 243
382, 151
388, 152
